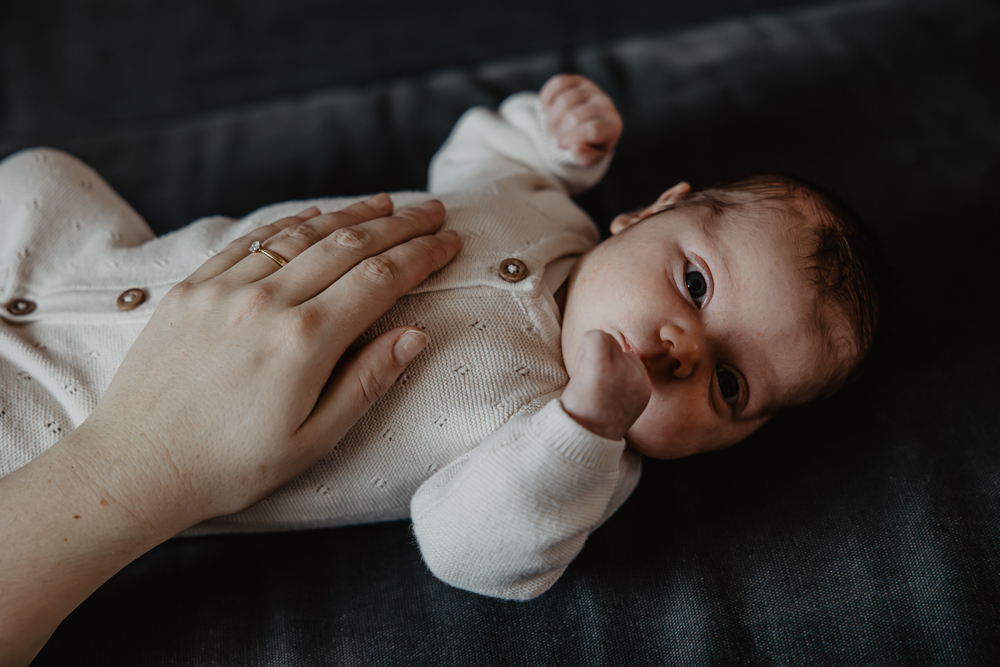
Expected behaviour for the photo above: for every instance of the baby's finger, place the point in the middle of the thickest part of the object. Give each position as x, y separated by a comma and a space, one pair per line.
567, 101
557, 84
585, 113
360, 381
238, 249
600, 133
585, 155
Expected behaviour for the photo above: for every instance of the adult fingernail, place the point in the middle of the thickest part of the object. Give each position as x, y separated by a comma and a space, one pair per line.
409, 346
448, 235
432, 205
311, 211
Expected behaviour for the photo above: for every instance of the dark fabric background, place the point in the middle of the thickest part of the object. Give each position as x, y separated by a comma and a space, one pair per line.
862, 531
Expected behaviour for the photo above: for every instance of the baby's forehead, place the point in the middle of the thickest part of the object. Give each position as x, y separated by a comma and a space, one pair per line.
776, 225
816, 372
792, 333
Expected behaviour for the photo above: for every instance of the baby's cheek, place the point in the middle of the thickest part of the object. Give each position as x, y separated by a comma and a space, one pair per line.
670, 429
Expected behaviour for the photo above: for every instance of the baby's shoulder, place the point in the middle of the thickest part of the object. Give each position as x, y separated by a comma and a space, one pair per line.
522, 209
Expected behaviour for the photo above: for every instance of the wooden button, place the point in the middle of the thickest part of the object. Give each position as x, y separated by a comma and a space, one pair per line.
20, 306
513, 270
130, 298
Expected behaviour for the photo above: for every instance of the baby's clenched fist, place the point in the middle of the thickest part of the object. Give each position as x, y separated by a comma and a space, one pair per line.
581, 116
609, 388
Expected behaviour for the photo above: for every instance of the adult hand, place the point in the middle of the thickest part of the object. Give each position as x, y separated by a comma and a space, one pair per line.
233, 372
235, 385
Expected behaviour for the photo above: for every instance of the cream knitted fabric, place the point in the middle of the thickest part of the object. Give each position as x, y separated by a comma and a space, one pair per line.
505, 487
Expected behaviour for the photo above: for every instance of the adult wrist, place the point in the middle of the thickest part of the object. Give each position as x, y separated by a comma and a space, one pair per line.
67, 528
135, 480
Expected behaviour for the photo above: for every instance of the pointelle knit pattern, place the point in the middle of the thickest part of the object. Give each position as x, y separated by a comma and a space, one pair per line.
471, 443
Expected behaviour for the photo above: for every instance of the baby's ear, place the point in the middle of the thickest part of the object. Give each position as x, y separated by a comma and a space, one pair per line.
672, 196
665, 200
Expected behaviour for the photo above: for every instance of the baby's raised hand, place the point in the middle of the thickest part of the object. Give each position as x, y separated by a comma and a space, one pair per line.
581, 116
609, 388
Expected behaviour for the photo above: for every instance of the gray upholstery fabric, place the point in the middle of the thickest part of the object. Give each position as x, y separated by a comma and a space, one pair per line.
863, 530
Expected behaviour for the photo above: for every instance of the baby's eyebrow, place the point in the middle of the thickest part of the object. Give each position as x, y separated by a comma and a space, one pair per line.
776, 401
712, 240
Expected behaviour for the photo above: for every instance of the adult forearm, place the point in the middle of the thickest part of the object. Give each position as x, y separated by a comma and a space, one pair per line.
234, 387
65, 529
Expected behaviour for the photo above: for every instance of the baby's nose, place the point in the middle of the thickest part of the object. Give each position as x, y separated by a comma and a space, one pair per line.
684, 350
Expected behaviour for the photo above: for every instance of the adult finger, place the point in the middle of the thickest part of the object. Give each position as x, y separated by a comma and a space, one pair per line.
348, 307
330, 258
238, 248
293, 241
360, 381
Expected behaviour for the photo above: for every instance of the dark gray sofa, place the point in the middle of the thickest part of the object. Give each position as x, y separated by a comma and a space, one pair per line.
862, 531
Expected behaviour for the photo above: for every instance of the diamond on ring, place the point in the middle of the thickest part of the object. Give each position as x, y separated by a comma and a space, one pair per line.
278, 259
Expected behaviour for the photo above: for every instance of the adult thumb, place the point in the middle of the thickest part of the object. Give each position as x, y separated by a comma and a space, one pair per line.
363, 379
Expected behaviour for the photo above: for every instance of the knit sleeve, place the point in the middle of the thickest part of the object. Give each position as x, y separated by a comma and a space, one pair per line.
506, 519
487, 146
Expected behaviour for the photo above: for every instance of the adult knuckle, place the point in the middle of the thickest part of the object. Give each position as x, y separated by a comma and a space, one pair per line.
242, 242
379, 270
260, 291
303, 232
352, 238
250, 301
306, 324
435, 249
213, 292
416, 216
371, 385
178, 298
180, 290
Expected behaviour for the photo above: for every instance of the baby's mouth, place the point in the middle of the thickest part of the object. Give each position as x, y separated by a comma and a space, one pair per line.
628, 348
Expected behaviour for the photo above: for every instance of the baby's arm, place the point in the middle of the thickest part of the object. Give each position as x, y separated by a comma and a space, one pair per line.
506, 519
567, 133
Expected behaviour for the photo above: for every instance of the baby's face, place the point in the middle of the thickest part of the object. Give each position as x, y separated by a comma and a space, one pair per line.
717, 312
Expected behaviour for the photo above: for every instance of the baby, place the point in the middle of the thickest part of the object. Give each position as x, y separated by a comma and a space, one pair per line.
705, 314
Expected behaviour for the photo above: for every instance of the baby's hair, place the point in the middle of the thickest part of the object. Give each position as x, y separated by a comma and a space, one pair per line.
842, 259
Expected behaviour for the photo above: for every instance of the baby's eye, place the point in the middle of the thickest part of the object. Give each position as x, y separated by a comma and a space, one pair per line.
697, 286
729, 386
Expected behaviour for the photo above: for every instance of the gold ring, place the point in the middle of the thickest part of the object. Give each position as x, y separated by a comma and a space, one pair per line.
256, 247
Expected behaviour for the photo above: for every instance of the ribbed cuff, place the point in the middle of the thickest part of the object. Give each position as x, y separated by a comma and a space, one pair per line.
561, 432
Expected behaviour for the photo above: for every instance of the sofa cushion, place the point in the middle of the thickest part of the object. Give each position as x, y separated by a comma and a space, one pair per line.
863, 530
